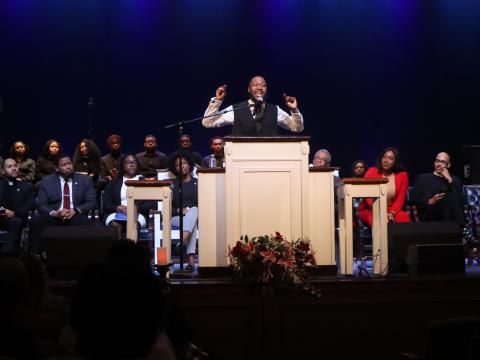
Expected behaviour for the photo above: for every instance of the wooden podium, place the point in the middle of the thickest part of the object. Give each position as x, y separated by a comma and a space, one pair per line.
149, 190
265, 187
354, 188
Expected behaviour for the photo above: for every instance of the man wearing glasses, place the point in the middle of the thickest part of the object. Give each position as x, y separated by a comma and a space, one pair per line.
438, 194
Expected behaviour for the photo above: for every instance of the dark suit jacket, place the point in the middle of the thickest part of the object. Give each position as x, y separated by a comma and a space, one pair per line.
50, 193
22, 199
111, 199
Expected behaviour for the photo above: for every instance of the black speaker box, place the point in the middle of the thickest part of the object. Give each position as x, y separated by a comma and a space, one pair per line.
74, 248
416, 247
436, 258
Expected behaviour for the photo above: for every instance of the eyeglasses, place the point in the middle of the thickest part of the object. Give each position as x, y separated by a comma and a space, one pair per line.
130, 162
440, 161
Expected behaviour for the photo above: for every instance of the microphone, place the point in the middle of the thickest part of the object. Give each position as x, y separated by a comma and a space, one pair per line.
258, 103
258, 112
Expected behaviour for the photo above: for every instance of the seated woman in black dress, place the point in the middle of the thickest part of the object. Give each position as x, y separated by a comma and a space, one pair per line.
115, 197
45, 164
26, 166
86, 159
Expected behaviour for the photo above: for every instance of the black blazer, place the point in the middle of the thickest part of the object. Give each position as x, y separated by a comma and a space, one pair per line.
111, 199
22, 199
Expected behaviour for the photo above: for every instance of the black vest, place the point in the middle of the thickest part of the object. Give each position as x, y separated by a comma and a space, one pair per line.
244, 123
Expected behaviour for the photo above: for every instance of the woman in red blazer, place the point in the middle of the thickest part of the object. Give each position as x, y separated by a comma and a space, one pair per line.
388, 166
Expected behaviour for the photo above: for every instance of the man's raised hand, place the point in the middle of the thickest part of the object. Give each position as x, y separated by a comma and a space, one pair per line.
221, 92
291, 102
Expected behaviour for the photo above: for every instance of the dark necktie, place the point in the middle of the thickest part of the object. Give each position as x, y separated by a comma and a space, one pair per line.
66, 196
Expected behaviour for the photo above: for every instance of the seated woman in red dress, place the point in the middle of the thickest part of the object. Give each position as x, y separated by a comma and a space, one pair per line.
388, 166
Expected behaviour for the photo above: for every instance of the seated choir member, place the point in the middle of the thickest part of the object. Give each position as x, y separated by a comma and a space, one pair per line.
151, 160
110, 164
45, 164
86, 159
186, 145
216, 159
389, 167
26, 166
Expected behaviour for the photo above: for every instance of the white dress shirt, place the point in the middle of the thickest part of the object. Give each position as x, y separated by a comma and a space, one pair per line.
293, 122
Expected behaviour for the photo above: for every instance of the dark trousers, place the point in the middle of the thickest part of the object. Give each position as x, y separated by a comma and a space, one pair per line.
41, 221
447, 209
14, 227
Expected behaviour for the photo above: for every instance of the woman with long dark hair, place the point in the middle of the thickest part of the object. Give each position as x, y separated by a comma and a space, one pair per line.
388, 167
181, 163
26, 166
45, 164
86, 159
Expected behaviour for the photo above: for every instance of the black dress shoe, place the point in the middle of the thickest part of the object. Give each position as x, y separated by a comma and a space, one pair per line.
189, 268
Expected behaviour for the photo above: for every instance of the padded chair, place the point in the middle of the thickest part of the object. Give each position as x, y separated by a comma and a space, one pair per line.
472, 216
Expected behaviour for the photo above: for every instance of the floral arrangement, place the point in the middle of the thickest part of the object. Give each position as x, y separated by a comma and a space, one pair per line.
272, 260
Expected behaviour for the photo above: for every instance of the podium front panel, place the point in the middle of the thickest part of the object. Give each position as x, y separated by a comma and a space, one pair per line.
266, 188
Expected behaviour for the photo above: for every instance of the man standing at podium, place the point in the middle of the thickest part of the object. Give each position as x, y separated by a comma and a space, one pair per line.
253, 117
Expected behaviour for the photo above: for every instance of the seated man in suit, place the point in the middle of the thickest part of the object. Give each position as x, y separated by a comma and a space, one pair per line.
64, 199
16, 199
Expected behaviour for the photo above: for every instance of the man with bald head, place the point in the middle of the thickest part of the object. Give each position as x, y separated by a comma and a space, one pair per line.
438, 194
16, 199
253, 117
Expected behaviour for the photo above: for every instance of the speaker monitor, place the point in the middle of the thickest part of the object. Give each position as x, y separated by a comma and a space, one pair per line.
76, 247
426, 247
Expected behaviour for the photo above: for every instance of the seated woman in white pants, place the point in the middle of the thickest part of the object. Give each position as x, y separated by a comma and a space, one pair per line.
181, 164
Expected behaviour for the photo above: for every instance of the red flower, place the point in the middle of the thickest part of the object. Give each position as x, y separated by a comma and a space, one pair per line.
304, 246
288, 261
269, 256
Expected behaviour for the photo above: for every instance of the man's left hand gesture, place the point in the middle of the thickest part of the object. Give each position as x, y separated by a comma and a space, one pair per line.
446, 175
9, 214
291, 102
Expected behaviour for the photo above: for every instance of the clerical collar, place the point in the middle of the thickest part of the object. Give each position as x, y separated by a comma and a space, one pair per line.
10, 181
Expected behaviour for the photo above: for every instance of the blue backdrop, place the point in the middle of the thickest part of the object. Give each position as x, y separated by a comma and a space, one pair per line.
367, 74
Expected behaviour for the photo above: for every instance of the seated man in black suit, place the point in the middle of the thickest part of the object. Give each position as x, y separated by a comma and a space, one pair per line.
16, 199
64, 199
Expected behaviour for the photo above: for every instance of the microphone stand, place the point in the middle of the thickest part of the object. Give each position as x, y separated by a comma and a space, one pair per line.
179, 126
91, 110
